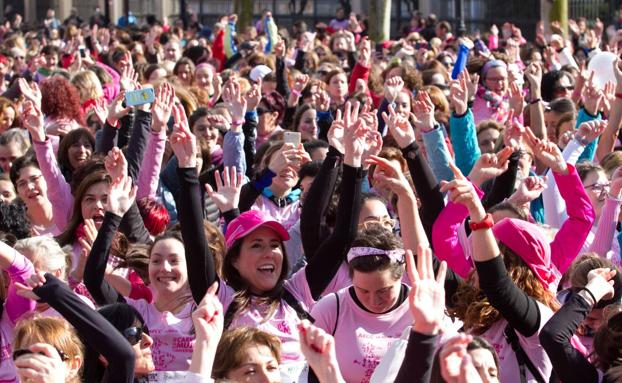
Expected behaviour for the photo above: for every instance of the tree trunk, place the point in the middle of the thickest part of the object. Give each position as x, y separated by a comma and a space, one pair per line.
244, 10
559, 12
380, 20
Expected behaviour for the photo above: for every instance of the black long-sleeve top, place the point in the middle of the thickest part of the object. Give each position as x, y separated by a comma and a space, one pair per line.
327, 259
92, 328
281, 78
519, 309
252, 190
95, 269
432, 203
418, 359
502, 187
112, 136
313, 226
249, 128
191, 219
568, 363
201, 269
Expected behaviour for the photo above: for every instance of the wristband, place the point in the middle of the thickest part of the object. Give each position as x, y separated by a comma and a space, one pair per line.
582, 141
296, 93
537, 100
237, 122
590, 294
486, 223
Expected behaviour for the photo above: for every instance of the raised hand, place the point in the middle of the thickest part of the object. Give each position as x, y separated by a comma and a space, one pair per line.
41, 365
121, 196
590, 130
336, 133
101, 110
32, 119
208, 318
516, 100
37, 279
427, 295
116, 164
399, 127
461, 191
490, 165
471, 81
529, 190
392, 88
237, 103
600, 283
533, 73
279, 49
129, 77
116, 111
389, 175
228, 188
318, 347
451, 356
459, 95
424, 112
364, 56
287, 156
617, 71
547, 152
514, 131
183, 142
30, 91
355, 139
163, 106
373, 144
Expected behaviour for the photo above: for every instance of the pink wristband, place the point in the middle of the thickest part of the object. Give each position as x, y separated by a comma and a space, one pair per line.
296, 93
238, 122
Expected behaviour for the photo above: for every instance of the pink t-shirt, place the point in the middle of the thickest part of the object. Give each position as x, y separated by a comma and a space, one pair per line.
173, 338
7, 368
283, 322
509, 371
361, 338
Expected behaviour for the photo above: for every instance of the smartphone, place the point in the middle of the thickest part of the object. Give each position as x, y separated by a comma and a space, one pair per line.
82, 51
292, 138
139, 97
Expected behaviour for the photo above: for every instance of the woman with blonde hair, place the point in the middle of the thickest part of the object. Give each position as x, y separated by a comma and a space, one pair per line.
89, 89
48, 350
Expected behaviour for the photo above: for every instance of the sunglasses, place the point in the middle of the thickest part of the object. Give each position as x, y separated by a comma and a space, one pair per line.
562, 88
22, 352
135, 334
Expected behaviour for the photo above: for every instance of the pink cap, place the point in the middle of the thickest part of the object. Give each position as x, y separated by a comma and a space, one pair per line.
250, 220
526, 240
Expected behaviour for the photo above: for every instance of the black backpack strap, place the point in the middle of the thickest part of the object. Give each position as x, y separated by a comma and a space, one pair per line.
337, 316
523, 359
295, 304
229, 314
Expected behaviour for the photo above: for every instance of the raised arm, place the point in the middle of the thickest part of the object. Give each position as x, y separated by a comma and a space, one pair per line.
59, 191
149, 173
568, 363
93, 328
533, 73
462, 126
19, 269
199, 259
519, 309
313, 226
324, 265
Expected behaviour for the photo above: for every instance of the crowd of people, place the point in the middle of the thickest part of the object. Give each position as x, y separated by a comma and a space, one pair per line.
308, 205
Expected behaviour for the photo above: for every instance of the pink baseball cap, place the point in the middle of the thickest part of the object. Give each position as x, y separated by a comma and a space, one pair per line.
526, 240
250, 220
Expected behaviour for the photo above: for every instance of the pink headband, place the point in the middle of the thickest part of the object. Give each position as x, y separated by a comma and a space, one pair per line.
393, 255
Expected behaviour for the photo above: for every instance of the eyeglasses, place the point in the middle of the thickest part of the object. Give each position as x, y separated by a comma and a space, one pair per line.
387, 223
135, 334
22, 352
599, 187
21, 184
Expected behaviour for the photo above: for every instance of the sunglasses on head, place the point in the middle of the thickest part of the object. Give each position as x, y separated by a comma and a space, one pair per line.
22, 352
135, 334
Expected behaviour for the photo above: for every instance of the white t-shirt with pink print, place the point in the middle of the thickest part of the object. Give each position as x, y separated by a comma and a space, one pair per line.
362, 338
509, 370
